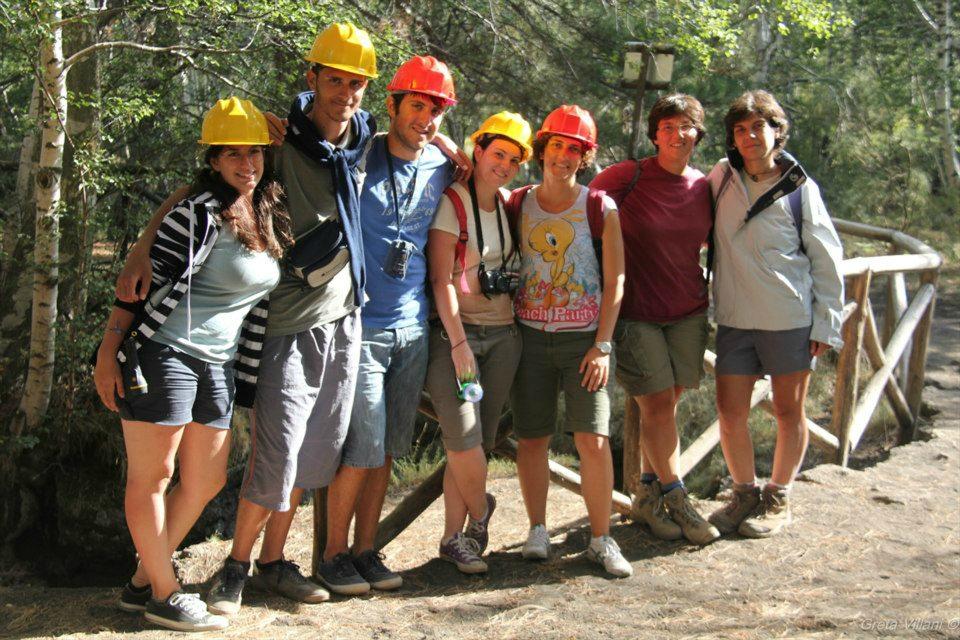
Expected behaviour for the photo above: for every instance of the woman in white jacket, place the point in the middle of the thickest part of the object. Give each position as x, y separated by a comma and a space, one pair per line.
778, 292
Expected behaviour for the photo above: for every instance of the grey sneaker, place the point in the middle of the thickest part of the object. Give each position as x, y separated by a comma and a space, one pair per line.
183, 612
283, 577
226, 590
369, 565
770, 516
340, 576
694, 527
134, 599
647, 507
463, 552
479, 530
728, 517
606, 552
537, 546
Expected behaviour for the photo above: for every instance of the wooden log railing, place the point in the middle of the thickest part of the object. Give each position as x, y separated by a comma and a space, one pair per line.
895, 350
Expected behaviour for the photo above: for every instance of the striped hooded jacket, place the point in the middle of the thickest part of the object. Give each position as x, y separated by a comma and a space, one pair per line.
184, 240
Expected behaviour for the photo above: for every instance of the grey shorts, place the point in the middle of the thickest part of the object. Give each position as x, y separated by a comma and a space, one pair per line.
393, 364
180, 389
550, 364
466, 425
305, 392
755, 352
653, 356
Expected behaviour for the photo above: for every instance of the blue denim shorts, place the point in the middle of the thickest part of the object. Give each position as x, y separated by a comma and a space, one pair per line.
180, 389
393, 365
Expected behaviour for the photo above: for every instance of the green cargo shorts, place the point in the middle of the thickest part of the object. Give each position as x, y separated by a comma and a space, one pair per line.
550, 364
653, 356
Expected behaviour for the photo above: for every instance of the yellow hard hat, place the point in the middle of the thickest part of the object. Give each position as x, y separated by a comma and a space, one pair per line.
234, 121
510, 125
345, 47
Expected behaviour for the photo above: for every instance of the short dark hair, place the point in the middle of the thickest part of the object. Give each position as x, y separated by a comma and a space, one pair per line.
675, 104
589, 154
487, 139
761, 103
399, 96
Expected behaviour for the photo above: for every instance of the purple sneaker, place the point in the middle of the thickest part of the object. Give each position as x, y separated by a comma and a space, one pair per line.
463, 552
478, 529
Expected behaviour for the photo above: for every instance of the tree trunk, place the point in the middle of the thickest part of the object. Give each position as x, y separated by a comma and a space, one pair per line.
46, 252
951, 160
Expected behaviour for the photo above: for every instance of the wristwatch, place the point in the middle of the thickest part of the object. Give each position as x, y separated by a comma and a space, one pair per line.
604, 347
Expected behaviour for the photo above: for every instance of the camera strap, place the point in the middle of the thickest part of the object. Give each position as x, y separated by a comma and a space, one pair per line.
411, 185
477, 222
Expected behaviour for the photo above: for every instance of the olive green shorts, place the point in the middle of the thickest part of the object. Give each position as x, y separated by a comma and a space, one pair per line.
550, 364
653, 356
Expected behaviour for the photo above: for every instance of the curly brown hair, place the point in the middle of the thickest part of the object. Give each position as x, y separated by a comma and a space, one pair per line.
760, 103
589, 155
271, 220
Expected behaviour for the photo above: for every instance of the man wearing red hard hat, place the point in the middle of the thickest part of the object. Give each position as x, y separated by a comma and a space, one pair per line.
405, 177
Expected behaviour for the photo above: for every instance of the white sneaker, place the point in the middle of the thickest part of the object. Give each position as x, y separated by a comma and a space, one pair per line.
537, 546
605, 551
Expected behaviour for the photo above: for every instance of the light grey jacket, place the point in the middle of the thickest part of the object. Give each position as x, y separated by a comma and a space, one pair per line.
763, 279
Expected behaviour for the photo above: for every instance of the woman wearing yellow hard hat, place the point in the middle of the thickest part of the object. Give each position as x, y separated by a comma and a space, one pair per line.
474, 343
174, 364
571, 284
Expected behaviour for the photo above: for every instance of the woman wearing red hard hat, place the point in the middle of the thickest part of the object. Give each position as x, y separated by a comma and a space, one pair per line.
571, 284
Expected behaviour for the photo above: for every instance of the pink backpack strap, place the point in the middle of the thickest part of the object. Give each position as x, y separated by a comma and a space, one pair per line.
460, 253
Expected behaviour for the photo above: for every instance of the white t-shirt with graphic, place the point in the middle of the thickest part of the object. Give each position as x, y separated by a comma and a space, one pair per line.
559, 274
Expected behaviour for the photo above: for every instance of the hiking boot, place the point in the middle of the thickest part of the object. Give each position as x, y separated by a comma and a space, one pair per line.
134, 599
694, 527
369, 564
478, 529
340, 576
647, 507
606, 552
728, 517
283, 578
226, 590
770, 516
537, 546
183, 612
463, 552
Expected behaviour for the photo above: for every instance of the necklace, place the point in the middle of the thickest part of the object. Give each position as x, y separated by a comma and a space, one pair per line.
757, 177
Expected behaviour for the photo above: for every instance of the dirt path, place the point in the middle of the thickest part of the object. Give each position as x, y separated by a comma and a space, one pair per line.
872, 553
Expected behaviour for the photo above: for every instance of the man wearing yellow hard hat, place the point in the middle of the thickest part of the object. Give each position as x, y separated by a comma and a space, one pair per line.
311, 346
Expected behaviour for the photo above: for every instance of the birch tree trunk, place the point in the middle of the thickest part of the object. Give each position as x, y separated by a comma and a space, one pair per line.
951, 160
46, 255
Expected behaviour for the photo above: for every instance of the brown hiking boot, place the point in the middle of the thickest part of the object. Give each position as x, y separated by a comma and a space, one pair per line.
728, 517
647, 508
770, 516
694, 527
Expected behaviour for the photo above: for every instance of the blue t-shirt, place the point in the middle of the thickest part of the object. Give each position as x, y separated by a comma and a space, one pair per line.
394, 303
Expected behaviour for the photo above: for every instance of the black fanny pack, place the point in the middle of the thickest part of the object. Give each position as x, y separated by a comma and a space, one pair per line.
319, 254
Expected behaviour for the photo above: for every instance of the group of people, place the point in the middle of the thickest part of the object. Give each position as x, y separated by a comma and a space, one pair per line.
327, 280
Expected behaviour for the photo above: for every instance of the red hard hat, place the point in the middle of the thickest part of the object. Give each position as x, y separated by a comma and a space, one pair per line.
424, 74
571, 121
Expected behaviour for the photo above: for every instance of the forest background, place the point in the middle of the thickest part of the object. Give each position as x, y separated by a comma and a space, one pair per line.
101, 103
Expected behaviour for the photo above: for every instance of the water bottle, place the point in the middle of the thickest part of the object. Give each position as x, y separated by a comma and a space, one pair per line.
469, 390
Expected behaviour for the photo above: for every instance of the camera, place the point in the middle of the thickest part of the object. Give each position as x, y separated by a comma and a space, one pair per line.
398, 256
497, 281
134, 384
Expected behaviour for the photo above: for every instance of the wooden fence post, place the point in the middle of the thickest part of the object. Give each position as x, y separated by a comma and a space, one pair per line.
896, 305
918, 355
848, 367
631, 446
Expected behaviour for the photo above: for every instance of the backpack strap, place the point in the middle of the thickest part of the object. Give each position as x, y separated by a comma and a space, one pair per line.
514, 206
795, 202
635, 179
460, 252
595, 220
